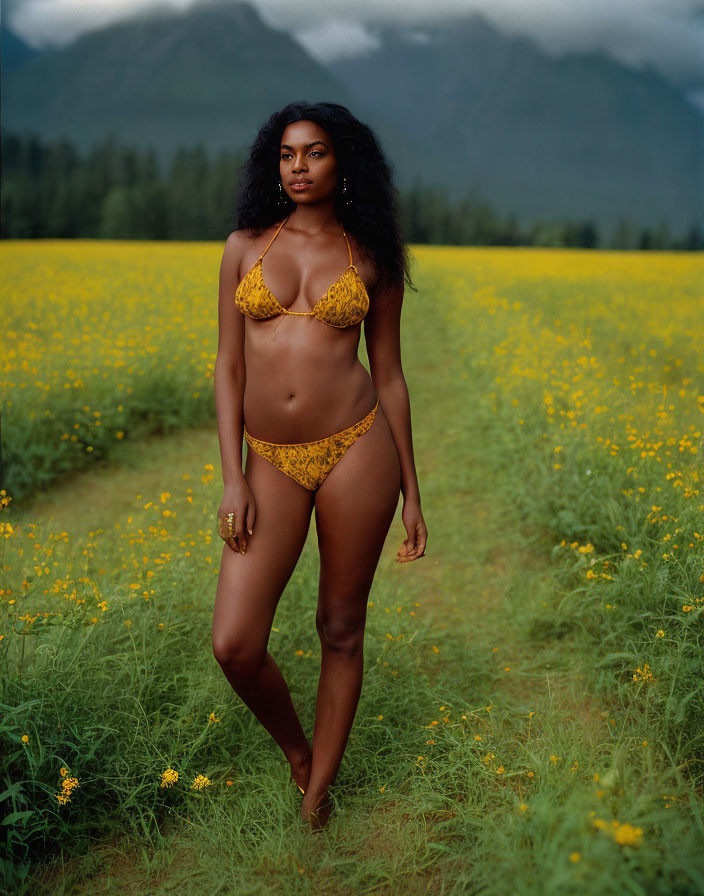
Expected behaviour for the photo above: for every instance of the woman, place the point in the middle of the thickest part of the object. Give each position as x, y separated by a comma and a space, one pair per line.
320, 432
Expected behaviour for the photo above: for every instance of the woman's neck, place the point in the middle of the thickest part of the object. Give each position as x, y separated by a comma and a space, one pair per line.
314, 218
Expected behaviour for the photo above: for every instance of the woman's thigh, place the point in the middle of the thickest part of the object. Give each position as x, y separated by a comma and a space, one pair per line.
250, 585
354, 508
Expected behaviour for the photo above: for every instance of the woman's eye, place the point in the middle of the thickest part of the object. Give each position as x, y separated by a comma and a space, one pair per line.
313, 152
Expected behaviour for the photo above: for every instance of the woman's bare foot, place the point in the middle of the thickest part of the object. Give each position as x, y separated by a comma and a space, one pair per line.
316, 810
300, 770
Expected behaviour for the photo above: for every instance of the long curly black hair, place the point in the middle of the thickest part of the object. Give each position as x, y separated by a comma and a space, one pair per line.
372, 215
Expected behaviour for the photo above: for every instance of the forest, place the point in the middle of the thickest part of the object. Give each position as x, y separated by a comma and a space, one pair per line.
114, 191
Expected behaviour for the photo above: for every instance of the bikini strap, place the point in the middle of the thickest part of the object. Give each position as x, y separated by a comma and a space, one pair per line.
275, 235
348, 246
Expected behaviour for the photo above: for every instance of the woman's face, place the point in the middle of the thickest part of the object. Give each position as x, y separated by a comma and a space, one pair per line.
307, 156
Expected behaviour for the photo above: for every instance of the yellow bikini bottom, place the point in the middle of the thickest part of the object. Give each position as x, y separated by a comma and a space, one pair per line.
308, 463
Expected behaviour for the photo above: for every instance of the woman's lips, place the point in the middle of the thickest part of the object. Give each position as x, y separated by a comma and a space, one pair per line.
300, 187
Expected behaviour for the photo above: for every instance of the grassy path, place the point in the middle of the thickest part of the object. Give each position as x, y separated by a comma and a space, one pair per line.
479, 758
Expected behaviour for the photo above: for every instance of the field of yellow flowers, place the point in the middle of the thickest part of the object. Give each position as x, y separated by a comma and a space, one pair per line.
103, 342
530, 720
592, 368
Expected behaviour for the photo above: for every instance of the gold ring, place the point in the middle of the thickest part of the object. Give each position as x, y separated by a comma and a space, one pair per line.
225, 527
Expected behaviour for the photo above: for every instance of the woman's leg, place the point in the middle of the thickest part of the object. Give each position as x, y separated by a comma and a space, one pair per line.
354, 508
248, 591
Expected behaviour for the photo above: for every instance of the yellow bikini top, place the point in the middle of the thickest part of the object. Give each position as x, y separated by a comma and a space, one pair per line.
345, 303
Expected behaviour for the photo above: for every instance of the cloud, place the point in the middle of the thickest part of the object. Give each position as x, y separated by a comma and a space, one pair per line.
668, 34
57, 22
336, 39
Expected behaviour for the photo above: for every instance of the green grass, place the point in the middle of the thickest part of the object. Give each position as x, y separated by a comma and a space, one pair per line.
493, 646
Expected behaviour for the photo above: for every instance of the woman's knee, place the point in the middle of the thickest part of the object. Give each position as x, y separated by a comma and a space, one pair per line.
341, 634
237, 656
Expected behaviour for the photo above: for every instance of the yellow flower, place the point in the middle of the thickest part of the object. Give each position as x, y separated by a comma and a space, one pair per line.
554, 759
68, 785
213, 718
200, 781
627, 835
623, 834
575, 856
659, 633
25, 738
169, 777
643, 674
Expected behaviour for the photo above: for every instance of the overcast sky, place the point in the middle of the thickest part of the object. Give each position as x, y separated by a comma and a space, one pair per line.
669, 34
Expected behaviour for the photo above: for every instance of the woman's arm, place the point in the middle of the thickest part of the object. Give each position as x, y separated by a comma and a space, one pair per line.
229, 380
382, 330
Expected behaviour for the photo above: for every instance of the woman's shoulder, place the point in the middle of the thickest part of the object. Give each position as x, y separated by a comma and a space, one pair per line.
238, 244
241, 237
246, 235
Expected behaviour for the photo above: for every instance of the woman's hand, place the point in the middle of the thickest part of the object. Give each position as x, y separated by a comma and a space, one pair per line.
414, 545
237, 499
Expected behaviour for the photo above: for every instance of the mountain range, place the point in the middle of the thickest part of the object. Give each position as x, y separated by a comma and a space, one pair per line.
461, 107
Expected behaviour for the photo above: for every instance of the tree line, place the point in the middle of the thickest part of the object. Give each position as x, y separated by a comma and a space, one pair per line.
121, 192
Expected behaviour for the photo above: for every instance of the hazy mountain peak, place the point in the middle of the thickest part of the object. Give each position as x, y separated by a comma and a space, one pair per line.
13, 50
459, 104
